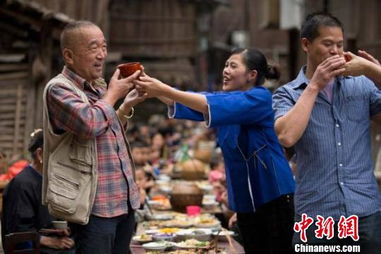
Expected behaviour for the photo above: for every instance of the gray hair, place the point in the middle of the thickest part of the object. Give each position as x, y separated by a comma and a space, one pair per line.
66, 39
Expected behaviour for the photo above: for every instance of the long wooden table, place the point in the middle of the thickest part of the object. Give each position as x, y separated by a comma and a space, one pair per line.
236, 248
227, 247
221, 245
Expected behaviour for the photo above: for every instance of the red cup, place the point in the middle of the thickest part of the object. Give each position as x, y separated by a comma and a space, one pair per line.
128, 69
347, 58
193, 210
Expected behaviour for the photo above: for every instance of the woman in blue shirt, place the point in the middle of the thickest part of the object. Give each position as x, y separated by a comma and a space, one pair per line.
259, 180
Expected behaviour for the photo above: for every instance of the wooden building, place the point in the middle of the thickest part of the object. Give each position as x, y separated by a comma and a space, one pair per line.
28, 34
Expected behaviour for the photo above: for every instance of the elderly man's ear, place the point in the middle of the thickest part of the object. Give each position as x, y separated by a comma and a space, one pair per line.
68, 56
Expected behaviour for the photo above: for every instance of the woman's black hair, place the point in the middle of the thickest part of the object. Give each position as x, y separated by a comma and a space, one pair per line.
255, 60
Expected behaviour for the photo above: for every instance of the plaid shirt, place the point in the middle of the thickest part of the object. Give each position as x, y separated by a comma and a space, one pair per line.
68, 112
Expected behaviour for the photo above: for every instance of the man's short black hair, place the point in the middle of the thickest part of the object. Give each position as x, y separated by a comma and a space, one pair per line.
312, 23
36, 141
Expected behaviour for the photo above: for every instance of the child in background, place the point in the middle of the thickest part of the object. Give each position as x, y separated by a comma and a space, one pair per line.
217, 171
141, 152
141, 181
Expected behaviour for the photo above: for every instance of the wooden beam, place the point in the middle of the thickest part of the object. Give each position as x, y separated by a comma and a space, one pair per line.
34, 23
16, 148
13, 67
17, 116
138, 41
9, 138
152, 19
13, 30
9, 100
13, 75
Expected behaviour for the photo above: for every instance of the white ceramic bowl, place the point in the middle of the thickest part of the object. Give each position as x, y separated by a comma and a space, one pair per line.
161, 217
199, 234
155, 246
59, 224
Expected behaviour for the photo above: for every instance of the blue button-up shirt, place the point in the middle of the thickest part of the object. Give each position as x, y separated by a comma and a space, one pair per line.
333, 156
256, 169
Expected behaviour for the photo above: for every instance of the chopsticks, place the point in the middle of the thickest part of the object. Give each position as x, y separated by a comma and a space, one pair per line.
228, 236
148, 206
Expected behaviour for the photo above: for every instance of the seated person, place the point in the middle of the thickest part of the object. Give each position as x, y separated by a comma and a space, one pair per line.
141, 181
22, 208
141, 152
217, 171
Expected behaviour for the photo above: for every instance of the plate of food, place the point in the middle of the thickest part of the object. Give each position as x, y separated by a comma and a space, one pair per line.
163, 236
178, 223
182, 252
161, 216
193, 244
151, 231
143, 238
168, 230
207, 221
157, 246
160, 202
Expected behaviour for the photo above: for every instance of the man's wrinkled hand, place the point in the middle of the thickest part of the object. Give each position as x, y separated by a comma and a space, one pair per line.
133, 98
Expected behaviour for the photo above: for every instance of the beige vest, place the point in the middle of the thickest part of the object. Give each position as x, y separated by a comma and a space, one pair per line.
69, 167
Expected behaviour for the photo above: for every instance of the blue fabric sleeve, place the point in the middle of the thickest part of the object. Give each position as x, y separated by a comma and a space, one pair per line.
179, 111
249, 107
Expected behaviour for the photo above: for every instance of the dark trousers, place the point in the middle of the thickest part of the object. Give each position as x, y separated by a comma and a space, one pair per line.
269, 230
369, 233
104, 235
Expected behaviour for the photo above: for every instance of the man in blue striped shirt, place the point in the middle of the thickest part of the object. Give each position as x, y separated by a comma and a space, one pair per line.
325, 115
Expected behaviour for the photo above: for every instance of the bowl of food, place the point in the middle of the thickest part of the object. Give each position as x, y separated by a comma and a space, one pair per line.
207, 221
163, 237
193, 244
164, 178
165, 189
143, 238
209, 204
198, 234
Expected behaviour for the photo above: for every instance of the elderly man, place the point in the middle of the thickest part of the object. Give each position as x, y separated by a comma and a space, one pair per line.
88, 166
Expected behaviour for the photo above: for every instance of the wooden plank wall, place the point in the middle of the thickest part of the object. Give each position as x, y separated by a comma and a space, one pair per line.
93, 10
15, 101
160, 28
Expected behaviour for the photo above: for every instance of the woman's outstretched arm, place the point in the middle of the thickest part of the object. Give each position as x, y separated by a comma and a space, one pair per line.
156, 88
